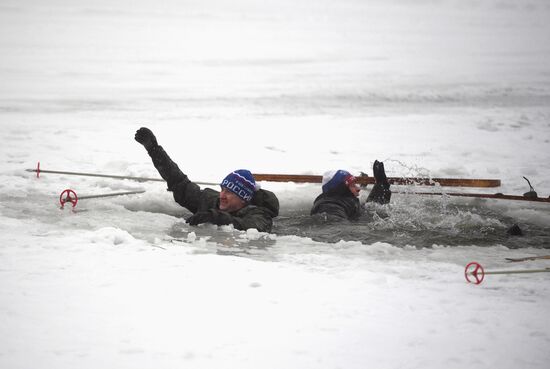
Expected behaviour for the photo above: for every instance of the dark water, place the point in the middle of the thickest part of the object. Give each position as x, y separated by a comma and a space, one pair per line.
420, 224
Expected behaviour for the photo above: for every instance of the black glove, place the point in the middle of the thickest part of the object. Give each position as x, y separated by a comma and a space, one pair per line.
379, 172
145, 137
201, 217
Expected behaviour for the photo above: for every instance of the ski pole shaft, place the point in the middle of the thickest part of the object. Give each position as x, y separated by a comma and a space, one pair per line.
109, 195
545, 270
132, 178
479, 195
528, 258
69, 196
140, 179
475, 273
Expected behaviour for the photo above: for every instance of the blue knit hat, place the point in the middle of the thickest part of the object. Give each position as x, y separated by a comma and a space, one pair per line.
241, 182
334, 178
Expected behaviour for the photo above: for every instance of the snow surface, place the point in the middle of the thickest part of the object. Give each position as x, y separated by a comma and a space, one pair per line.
445, 88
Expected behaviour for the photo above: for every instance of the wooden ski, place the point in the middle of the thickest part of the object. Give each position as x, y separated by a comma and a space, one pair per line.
363, 180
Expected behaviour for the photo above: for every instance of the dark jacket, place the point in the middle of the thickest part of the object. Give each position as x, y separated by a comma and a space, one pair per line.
259, 213
340, 202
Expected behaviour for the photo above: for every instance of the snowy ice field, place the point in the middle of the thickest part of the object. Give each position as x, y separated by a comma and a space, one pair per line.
441, 88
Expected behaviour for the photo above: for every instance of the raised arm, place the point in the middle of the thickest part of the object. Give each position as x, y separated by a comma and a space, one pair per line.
186, 193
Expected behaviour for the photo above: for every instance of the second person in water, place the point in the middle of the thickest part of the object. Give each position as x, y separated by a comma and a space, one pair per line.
340, 196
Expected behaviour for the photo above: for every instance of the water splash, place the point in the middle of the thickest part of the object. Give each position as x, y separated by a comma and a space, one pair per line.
419, 222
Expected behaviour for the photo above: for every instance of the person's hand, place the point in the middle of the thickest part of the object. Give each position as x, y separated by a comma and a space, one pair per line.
379, 172
201, 217
145, 137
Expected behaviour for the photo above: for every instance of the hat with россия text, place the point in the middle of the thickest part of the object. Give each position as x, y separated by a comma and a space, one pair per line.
242, 183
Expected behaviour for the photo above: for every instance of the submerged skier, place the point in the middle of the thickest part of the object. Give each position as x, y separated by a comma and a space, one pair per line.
240, 202
340, 193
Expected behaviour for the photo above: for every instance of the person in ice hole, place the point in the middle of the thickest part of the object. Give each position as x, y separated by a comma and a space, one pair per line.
240, 202
340, 193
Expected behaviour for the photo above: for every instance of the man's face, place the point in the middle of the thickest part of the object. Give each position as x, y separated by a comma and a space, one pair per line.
354, 188
229, 201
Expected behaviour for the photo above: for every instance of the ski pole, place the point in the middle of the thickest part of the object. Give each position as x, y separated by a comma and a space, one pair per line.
528, 258
139, 179
476, 271
480, 196
69, 195
305, 178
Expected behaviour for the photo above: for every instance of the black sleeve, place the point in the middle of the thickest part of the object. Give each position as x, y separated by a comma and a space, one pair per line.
186, 193
259, 218
380, 193
266, 199
254, 217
